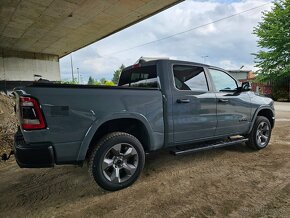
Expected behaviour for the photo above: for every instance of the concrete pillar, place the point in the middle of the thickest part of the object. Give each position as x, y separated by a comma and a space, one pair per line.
22, 66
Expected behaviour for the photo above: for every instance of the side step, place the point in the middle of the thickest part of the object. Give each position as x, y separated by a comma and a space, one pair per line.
188, 150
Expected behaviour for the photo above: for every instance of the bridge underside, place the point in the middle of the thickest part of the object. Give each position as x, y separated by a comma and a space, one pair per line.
34, 31
61, 26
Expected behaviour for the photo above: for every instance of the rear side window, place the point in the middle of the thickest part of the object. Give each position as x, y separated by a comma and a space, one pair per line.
190, 78
144, 77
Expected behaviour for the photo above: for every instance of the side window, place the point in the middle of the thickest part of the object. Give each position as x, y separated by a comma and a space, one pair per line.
190, 78
222, 81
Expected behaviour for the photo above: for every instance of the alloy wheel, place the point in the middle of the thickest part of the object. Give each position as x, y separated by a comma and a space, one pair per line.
120, 163
262, 134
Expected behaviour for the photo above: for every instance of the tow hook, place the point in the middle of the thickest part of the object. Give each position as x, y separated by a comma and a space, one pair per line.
6, 157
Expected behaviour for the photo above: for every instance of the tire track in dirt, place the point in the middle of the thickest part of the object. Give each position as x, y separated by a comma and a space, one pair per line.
45, 187
216, 169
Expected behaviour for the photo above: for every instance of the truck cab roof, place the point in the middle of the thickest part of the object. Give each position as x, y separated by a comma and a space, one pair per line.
145, 62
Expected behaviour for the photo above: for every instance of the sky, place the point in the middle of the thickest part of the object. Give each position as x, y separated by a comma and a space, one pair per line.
228, 44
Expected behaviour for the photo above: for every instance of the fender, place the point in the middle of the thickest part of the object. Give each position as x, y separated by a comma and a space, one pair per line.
96, 124
262, 107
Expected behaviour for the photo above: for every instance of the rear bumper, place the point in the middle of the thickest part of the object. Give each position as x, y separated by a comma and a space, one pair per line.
36, 155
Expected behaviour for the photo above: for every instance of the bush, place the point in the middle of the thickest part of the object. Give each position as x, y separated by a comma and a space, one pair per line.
280, 92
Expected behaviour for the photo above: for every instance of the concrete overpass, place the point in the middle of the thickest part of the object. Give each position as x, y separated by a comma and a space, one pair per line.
34, 34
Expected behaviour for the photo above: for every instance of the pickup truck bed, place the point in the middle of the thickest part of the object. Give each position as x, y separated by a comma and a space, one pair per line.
73, 119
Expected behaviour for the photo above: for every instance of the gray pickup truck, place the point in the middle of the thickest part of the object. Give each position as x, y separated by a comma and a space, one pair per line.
181, 106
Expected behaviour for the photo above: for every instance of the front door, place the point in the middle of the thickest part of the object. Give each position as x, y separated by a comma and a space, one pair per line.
233, 108
194, 105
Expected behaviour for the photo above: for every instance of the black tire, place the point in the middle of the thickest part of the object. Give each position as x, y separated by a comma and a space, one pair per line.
259, 142
106, 150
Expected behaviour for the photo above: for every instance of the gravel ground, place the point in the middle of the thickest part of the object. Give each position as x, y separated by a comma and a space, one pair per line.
8, 123
233, 181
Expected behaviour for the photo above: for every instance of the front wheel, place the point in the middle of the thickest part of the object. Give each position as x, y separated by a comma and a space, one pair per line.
117, 161
261, 133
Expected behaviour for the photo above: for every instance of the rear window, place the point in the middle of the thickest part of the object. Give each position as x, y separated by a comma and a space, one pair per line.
144, 77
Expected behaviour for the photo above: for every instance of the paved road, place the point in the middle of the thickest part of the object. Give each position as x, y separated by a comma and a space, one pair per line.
282, 106
282, 111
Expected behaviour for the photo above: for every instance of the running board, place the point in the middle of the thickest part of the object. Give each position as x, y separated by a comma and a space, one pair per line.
178, 151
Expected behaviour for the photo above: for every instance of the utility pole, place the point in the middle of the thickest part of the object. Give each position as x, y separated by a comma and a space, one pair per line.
72, 68
204, 58
78, 75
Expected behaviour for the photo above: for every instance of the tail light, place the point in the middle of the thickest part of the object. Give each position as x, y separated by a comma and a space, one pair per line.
31, 116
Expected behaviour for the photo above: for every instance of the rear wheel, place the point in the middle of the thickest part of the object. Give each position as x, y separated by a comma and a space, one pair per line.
261, 133
117, 161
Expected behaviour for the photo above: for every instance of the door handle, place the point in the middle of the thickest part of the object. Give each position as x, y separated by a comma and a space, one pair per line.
223, 100
180, 101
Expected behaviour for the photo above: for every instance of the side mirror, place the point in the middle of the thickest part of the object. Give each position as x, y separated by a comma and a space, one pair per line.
246, 86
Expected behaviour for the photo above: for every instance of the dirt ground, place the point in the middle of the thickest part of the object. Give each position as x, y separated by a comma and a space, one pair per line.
233, 181
8, 123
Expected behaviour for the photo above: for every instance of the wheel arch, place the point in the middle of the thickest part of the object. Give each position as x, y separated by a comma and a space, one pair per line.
135, 124
265, 111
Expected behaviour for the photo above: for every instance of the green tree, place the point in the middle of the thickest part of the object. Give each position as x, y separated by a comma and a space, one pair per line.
97, 83
109, 83
273, 60
91, 81
117, 74
74, 82
103, 81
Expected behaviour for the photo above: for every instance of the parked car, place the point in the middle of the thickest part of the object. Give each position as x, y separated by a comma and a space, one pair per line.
159, 104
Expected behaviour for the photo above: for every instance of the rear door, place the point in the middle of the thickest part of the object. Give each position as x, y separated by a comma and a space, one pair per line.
233, 108
194, 105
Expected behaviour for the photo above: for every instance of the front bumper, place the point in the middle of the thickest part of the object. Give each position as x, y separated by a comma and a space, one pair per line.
36, 155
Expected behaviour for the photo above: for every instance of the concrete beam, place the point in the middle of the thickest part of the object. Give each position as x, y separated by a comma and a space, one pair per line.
21, 66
